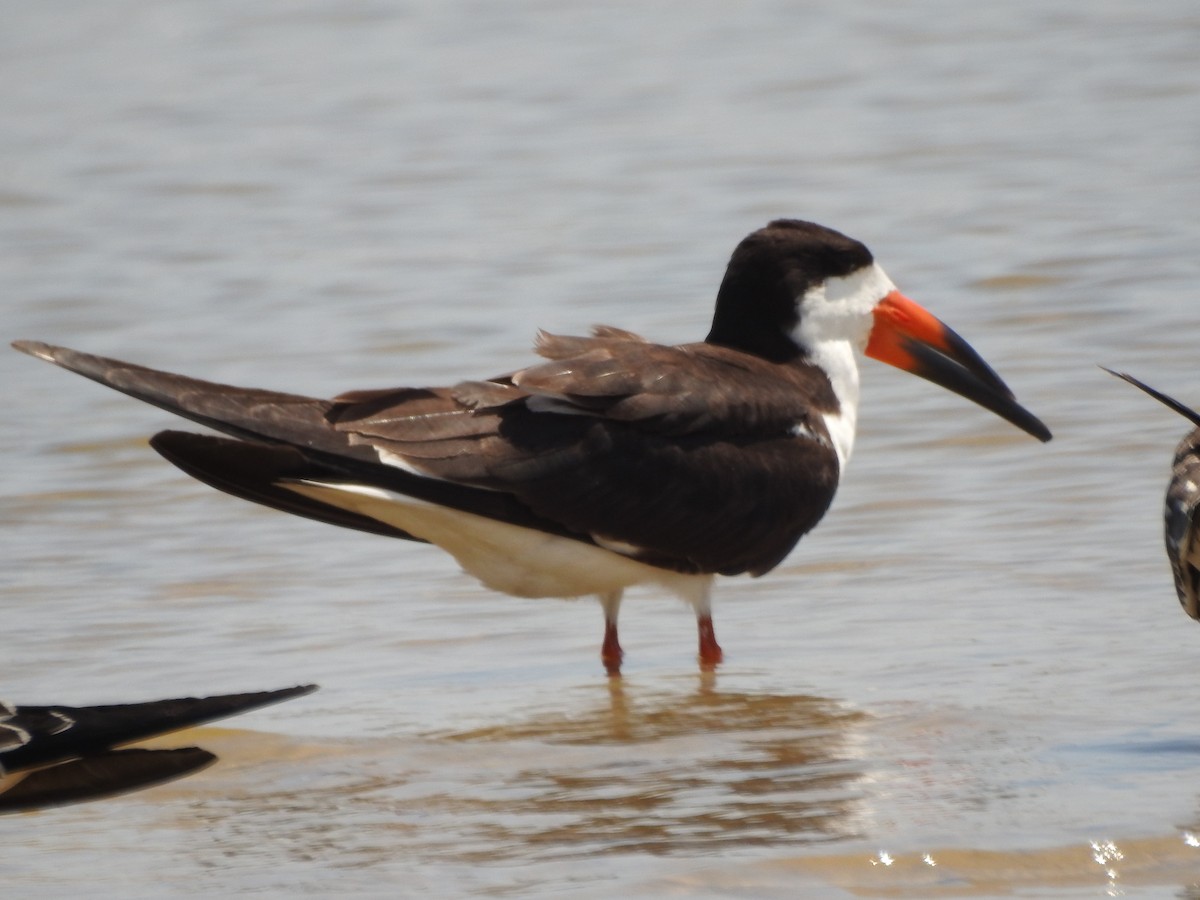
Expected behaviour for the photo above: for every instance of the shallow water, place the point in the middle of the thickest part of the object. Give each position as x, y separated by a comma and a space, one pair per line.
971, 679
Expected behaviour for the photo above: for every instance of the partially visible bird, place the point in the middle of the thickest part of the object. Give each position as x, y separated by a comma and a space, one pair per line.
612, 462
52, 755
1182, 513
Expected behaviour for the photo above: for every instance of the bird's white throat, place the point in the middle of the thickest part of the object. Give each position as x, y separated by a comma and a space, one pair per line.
834, 327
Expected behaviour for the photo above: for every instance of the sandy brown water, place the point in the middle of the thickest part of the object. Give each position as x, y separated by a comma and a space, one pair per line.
972, 680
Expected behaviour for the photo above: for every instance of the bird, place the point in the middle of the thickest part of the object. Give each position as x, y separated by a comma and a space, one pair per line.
611, 461
53, 755
1181, 531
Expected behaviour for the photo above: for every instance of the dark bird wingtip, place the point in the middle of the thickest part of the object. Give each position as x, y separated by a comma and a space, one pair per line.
1125, 376
1165, 399
34, 348
299, 690
241, 703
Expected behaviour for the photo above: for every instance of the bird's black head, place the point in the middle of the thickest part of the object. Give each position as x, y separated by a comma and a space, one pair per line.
770, 269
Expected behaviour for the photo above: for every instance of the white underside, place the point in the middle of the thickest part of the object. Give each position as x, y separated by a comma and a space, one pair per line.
519, 561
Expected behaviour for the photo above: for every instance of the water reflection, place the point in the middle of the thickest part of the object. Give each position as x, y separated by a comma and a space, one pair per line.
674, 772
623, 770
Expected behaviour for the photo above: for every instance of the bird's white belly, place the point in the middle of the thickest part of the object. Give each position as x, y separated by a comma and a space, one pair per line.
520, 561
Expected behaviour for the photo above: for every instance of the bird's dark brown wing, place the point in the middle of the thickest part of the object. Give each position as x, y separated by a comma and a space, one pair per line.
683, 457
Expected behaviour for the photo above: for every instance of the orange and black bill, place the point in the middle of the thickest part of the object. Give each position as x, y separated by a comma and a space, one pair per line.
908, 336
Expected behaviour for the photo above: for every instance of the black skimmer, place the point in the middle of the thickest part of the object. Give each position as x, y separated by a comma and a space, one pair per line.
52, 755
614, 461
1182, 512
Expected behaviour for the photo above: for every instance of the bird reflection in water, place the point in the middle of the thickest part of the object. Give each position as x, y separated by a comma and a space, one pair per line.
663, 773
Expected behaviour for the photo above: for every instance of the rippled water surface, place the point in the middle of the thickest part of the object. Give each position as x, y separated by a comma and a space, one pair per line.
973, 678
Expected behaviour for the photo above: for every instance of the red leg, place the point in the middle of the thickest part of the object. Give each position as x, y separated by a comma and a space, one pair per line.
710, 650
610, 652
